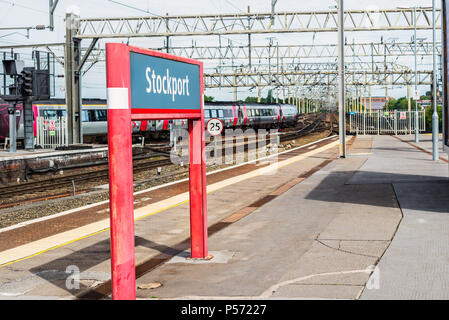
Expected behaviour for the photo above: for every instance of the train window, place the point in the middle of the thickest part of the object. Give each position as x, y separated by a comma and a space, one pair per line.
52, 114
101, 115
213, 113
84, 116
220, 114
207, 113
257, 111
97, 115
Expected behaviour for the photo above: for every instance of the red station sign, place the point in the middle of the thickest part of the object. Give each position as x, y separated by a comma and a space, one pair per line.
149, 85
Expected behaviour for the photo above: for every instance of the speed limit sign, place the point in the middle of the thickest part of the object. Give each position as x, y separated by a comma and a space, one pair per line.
214, 127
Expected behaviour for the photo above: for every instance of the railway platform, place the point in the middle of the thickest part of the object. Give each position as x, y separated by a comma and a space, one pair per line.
425, 144
370, 226
17, 166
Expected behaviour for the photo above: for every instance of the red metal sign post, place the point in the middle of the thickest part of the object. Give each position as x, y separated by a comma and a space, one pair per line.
149, 85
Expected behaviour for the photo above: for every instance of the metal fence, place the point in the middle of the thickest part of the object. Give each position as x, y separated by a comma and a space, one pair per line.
386, 122
51, 133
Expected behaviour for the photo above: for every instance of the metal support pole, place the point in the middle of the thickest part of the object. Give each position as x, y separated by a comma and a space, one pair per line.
52, 7
69, 76
409, 100
72, 62
12, 127
28, 128
435, 120
378, 122
416, 82
444, 70
341, 80
76, 93
249, 38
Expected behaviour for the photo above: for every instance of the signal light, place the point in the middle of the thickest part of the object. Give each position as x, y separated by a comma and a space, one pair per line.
26, 82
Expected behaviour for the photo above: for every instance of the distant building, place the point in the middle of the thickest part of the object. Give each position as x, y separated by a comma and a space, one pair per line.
428, 103
377, 103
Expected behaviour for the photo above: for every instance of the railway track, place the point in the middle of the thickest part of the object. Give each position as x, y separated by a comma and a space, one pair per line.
67, 185
307, 129
57, 183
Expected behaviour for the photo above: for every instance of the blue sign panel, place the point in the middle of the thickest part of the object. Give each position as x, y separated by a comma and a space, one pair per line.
158, 83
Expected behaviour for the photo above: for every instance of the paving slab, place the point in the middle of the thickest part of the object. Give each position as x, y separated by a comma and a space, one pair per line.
425, 142
310, 242
416, 265
395, 161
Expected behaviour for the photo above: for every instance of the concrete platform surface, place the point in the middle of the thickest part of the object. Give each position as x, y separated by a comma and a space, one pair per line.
373, 225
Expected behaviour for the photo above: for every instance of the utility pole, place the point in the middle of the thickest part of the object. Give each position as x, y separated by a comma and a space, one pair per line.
273, 4
249, 39
72, 59
52, 6
341, 80
277, 70
386, 77
416, 82
435, 120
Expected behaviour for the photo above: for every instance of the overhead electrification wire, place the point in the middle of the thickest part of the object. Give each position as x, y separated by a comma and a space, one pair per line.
156, 15
234, 6
132, 7
14, 4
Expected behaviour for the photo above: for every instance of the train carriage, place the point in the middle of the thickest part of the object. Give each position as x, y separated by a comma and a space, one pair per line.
227, 112
289, 115
94, 118
261, 116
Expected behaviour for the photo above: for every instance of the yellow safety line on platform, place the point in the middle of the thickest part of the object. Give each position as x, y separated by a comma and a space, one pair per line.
52, 248
85, 236
212, 188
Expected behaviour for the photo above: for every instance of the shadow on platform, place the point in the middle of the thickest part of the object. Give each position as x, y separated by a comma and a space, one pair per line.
417, 192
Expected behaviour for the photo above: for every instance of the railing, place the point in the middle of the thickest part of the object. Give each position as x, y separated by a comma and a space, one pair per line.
51, 133
386, 122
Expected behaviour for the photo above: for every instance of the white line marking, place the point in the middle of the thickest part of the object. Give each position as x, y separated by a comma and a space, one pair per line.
271, 290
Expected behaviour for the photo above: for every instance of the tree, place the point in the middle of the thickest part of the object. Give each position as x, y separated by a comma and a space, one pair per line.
208, 98
251, 99
255, 100
399, 104
429, 113
270, 96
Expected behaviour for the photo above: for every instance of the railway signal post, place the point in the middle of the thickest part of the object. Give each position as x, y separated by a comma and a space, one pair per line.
149, 85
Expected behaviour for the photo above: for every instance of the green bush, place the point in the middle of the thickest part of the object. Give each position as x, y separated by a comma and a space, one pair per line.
429, 112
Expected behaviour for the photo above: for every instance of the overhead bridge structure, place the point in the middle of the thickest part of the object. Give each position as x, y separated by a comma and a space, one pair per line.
252, 23
249, 62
